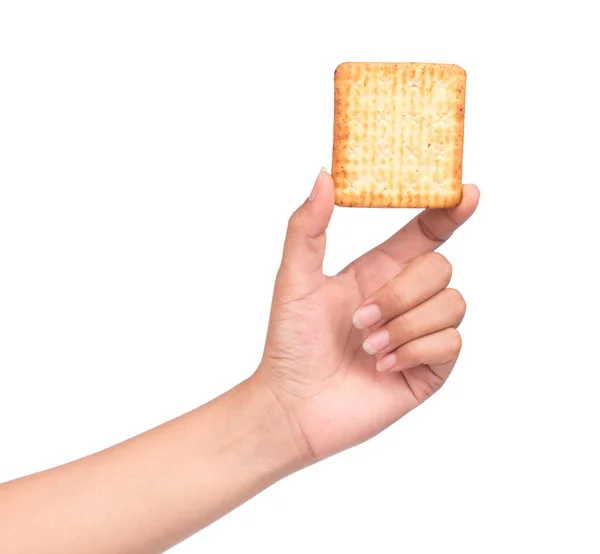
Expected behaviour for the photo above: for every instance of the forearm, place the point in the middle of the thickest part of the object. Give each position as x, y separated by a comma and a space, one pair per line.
152, 491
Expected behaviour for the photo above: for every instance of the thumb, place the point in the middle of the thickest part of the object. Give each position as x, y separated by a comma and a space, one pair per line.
304, 248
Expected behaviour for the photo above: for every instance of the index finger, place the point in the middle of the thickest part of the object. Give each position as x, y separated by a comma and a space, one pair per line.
428, 230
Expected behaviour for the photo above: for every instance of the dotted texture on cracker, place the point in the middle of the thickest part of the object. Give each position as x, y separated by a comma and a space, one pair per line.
398, 135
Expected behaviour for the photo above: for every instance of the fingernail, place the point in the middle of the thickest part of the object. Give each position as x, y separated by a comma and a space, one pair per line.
376, 342
387, 362
315, 190
366, 316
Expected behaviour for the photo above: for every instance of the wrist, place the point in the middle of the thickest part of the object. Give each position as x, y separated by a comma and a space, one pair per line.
283, 437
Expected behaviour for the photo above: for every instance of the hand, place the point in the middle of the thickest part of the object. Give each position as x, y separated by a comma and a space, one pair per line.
347, 356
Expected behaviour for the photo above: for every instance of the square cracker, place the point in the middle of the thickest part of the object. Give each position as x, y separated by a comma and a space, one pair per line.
398, 135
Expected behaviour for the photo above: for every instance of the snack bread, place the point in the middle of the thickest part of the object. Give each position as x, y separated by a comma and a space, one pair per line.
398, 134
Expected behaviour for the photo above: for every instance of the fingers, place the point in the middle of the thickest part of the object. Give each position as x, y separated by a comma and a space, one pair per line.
429, 229
412, 321
304, 248
437, 349
421, 279
446, 309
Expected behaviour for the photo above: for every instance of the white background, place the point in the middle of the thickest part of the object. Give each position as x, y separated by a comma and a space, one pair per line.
150, 155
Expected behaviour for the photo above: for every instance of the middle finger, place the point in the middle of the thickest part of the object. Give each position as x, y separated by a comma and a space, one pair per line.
445, 309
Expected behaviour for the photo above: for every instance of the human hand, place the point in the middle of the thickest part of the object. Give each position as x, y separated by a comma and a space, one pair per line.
346, 356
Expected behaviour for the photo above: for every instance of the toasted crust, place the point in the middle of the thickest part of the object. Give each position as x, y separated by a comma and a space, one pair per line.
398, 135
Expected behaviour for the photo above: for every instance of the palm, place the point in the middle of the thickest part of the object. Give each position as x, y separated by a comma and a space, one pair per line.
340, 394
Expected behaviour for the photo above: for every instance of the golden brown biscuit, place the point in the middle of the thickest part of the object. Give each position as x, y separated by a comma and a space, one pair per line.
398, 135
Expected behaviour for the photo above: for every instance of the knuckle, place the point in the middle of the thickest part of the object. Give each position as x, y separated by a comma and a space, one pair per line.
294, 220
455, 342
441, 264
398, 296
411, 353
457, 300
405, 331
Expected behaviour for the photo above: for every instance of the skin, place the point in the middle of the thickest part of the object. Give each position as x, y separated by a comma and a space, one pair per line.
345, 357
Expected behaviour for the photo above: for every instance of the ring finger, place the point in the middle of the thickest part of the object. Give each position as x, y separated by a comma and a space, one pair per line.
445, 309
438, 348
